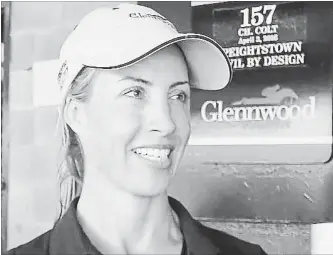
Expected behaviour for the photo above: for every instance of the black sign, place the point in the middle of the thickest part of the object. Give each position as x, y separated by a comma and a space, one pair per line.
281, 92
267, 35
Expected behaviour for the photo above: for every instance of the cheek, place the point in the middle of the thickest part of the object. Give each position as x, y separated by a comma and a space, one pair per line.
182, 119
114, 127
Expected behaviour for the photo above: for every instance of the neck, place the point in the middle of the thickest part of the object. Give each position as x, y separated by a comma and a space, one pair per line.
117, 221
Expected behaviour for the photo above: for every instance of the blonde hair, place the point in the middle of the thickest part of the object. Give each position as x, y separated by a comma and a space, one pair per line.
71, 162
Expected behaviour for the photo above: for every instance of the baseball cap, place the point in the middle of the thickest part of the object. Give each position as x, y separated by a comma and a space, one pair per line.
118, 37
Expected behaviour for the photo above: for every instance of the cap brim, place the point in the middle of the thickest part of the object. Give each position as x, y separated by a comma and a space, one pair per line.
210, 68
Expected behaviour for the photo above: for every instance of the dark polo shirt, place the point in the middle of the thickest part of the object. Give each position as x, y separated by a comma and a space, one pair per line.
67, 237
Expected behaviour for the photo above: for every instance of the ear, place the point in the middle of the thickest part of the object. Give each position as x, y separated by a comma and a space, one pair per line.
75, 115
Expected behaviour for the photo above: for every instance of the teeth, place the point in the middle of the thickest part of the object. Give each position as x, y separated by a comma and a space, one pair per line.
141, 151
160, 154
154, 153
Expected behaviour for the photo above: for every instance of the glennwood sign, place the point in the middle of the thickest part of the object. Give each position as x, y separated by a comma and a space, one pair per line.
281, 92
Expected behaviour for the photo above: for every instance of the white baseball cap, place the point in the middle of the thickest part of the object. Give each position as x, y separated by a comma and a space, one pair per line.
118, 37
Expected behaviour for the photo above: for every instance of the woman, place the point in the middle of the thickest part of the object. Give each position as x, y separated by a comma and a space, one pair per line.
125, 113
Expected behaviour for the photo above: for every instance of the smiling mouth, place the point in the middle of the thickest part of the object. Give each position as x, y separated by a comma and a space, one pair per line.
153, 154
161, 157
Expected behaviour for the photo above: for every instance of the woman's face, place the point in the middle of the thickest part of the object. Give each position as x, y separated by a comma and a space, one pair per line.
136, 124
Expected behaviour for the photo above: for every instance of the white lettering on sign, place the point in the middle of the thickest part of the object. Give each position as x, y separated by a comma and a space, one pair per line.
253, 62
237, 63
265, 55
258, 37
212, 111
284, 60
265, 49
259, 15
266, 30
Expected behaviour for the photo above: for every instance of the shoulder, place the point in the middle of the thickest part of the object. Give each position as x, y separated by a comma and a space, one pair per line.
230, 244
37, 246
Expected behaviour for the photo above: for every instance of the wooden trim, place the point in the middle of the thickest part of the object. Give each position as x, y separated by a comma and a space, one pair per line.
5, 122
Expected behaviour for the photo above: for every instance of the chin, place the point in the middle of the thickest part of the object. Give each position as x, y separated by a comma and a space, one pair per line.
146, 190
148, 181
151, 193
147, 193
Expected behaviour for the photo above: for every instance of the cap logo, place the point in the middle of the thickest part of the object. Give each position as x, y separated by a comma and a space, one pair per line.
152, 16
62, 75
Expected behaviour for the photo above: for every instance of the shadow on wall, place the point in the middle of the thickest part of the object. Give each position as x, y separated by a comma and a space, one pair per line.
328, 213
232, 205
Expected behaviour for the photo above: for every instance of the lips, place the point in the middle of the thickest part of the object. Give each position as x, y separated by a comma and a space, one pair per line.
159, 155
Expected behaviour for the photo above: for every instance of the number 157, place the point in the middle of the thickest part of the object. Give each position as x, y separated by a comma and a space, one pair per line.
258, 15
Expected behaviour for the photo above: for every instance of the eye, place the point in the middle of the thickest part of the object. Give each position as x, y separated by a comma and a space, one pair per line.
136, 92
182, 97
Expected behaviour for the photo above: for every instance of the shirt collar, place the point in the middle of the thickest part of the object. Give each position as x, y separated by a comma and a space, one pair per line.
67, 236
196, 241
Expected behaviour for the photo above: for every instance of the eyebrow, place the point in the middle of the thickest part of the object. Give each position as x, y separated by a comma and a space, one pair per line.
139, 80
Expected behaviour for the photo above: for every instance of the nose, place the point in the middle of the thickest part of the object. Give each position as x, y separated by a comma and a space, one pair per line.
158, 117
